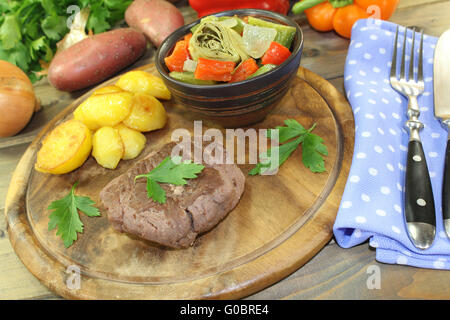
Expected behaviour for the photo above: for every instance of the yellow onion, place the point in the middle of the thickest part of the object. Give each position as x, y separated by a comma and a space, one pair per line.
17, 99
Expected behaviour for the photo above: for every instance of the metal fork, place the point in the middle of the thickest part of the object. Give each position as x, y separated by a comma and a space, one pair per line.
419, 202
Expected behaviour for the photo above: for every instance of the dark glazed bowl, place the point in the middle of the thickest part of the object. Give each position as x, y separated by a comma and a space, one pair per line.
238, 104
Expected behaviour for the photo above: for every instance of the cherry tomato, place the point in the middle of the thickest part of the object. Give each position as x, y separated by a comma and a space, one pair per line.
320, 17
345, 17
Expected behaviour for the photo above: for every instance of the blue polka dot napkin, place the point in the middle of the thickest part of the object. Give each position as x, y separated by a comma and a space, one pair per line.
372, 203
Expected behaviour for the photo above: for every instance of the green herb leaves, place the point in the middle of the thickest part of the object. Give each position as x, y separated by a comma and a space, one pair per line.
65, 215
30, 29
10, 32
170, 170
312, 153
313, 149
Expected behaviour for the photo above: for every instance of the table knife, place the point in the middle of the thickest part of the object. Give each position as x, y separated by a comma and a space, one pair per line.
442, 111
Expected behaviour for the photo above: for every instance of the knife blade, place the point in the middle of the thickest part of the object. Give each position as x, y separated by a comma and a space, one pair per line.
442, 112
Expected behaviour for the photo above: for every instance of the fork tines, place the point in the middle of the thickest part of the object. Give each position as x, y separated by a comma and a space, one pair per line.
413, 75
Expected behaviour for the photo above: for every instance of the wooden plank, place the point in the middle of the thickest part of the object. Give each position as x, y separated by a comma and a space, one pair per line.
16, 282
415, 3
9, 157
337, 273
433, 18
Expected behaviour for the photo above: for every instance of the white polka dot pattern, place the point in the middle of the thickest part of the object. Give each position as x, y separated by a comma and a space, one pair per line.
372, 203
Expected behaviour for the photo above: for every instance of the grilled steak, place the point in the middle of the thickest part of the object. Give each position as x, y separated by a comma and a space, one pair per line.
189, 210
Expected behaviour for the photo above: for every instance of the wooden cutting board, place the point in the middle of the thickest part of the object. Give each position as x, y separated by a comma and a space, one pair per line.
280, 222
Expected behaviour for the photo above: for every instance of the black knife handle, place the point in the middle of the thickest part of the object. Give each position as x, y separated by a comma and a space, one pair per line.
446, 184
419, 201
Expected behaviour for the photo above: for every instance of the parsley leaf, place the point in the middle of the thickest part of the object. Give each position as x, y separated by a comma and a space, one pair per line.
172, 171
54, 27
65, 215
10, 34
284, 151
313, 148
98, 18
292, 130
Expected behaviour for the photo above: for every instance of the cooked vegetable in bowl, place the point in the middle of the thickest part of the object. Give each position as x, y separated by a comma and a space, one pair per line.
222, 49
232, 67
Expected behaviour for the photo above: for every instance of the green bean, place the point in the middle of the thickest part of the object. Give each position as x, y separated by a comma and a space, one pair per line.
188, 77
262, 70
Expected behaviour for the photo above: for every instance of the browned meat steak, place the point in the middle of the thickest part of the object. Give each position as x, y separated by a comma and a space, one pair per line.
189, 210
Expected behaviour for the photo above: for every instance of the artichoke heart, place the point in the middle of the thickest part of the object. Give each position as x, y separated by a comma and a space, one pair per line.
213, 40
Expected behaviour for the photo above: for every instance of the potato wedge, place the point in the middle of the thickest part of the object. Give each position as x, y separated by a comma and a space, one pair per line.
133, 141
147, 114
65, 148
107, 147
107, 90
144, 82
104, 109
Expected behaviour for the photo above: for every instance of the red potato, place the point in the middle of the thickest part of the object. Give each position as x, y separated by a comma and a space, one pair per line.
155, 18
95, 59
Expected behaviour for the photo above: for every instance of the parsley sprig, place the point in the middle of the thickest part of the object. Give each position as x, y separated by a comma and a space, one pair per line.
290, 137
65, 215
172, 171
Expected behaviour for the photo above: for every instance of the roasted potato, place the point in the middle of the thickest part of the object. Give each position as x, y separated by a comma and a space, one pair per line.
65, 148
147, 114
107, 90
144, 82
133, 141
105, 108
108, 147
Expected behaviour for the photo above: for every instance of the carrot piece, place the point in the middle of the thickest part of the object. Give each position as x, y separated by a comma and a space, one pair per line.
179, 55
276, 54
208, 69
244, 70
187, 38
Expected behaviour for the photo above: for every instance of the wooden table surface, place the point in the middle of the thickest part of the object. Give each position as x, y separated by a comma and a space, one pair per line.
334, 273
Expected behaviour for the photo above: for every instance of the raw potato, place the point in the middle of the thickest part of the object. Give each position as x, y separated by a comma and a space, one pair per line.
107, 147
133, 141
65, 149
105, 109
96, 58
147, 114
144, 82
155, 18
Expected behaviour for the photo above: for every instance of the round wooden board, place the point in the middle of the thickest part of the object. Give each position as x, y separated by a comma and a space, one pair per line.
280, 222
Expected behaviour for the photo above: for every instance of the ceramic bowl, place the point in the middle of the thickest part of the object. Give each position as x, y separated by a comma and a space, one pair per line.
237, 104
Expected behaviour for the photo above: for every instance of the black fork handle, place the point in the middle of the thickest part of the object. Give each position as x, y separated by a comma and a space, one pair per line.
419, 201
